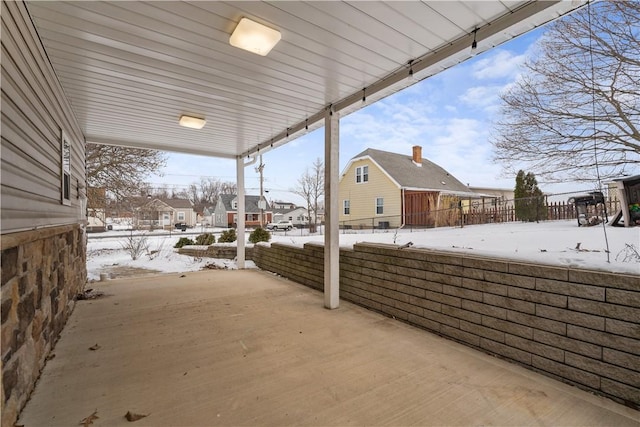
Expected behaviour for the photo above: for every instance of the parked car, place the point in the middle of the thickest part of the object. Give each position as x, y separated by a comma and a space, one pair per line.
181, 226
280, 225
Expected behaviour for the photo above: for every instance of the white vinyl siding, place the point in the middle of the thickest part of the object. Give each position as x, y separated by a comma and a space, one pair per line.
35, 112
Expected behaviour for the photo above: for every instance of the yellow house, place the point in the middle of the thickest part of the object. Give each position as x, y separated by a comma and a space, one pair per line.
379, 189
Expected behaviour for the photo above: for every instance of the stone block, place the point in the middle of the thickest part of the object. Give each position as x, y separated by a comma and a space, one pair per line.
617, 296
9, 264
489, 310
7, 303
506, 351
622, 391
510, 279
610, 280
604, 339
509, 327
571, 317
485, 264
460, 335
538, 297
424, 323
482, 331
620, 358
510, 303
409, 308
426, 285
603, 369
482, 286
536, 322
575, 346
443, 278
410, 290
630, 314
398, 296
442, 298
618, 327
546, 351
536, 270
568, 372
570, 289
473, 273
458, 313
462, 293
453, 270
396, 313
441, 318
425, 303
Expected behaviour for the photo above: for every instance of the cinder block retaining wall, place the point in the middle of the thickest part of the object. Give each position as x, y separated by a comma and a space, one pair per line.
578, 326
216, 251
42, 271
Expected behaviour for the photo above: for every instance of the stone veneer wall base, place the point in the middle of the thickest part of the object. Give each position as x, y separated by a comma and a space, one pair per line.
42, 272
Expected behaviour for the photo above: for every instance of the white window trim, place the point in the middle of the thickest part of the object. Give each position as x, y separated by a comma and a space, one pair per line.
360, 175
376, 205
65, 185
346, 204
181, 216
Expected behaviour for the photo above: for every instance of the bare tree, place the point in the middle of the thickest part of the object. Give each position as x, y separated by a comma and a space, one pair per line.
208, 191
119, 170
578, 99
310, 187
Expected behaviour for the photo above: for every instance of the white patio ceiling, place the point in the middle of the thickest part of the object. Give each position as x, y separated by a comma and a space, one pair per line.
130, 69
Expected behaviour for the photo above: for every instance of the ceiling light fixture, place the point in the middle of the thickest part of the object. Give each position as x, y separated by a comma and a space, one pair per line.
192, 122
254, 37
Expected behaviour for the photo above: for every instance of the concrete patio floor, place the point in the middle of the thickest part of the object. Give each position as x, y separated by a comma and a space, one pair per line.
249, 348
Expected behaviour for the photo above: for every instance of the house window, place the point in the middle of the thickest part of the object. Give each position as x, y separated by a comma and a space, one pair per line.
234, 204
65, 172
180, 216
346, 207
379, 206
362, 174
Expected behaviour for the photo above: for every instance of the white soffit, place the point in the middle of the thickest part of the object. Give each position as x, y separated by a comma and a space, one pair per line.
130, 69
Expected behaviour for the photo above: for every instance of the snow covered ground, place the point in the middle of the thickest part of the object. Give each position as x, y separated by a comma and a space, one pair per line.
551, 242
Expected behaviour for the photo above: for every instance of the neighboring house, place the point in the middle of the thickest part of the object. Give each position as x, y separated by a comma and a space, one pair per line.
491, 198
283, 206
298, 216
164, 213
226, 211
382, 189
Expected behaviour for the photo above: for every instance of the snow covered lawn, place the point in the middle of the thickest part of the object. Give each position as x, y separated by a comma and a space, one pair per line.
551, 242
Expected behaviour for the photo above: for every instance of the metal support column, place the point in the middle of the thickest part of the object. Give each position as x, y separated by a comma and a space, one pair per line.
331, 236
241, 212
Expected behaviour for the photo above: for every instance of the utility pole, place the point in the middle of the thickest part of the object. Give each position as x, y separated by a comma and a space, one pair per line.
261, 203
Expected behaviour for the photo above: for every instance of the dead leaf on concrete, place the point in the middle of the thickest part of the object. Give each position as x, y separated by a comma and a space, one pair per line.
89, 294
89, 420
131, 417
94, 347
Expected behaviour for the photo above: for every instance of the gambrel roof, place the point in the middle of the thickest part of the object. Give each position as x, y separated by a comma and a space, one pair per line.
406, 174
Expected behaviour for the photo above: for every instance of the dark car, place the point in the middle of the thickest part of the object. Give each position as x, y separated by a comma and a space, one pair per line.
181, 226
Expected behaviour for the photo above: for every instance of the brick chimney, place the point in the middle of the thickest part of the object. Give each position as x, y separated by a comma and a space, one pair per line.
417, 155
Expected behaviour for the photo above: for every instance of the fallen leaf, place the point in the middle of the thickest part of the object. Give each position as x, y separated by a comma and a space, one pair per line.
131, 417
89, 420
94, 347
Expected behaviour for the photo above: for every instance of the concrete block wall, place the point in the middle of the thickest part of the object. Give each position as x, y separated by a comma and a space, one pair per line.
216, 251
578, 326
42, 272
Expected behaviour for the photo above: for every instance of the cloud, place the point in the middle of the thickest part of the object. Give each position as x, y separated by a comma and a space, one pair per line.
485, 97
498, 64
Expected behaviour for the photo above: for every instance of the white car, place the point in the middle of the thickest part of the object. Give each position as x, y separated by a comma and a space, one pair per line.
280, 225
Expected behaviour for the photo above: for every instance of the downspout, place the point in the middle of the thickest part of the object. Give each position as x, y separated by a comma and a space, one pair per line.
404, 212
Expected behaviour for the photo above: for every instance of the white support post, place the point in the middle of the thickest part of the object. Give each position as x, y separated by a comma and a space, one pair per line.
331, 235
241, 212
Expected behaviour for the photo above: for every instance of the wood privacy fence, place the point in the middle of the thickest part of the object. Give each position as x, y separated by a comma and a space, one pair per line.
457, 216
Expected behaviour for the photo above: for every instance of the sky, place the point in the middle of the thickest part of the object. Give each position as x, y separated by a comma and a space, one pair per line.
547, 242
449, 115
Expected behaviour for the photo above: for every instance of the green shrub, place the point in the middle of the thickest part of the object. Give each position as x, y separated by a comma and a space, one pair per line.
184, 241
259, 235
205, 239
228, 236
